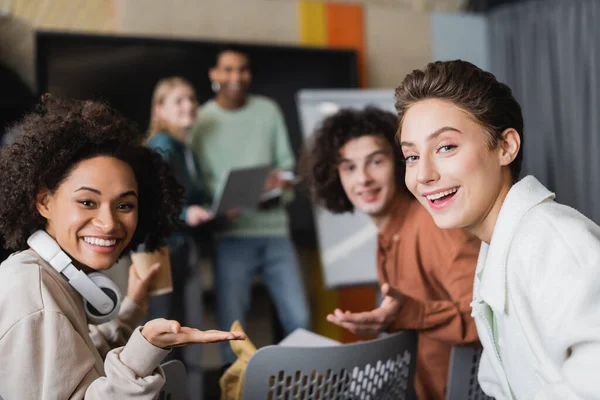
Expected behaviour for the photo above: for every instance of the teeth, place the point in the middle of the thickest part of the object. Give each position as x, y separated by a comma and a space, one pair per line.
441, 194
100, 242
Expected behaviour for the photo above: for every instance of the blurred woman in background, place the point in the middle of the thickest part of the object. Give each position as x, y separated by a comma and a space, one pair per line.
173, 111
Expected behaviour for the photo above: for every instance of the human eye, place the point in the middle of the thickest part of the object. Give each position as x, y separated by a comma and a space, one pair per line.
347, 167
126, 206
86, 203
377, 161
410, 159
446, 148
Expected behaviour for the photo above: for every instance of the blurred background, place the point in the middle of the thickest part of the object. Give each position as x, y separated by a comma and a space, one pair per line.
547, 51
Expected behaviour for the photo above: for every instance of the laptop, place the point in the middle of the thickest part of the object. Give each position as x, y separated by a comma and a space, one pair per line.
241, 188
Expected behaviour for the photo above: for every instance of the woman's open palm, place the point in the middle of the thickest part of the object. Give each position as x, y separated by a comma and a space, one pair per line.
166, 334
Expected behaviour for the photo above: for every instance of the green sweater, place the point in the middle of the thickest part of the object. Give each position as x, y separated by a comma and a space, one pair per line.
253, 135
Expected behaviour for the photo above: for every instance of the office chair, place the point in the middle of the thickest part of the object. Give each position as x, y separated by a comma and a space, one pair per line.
381, 369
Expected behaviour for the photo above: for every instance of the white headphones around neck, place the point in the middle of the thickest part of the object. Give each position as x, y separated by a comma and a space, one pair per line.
101, 296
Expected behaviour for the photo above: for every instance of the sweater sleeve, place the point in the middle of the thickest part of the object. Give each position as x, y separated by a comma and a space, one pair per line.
450, 320
116, 333
131, 371
207, 173
284, 156
43, 357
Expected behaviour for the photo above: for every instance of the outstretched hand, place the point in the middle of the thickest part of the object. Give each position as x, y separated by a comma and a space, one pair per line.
166, 334
372, 322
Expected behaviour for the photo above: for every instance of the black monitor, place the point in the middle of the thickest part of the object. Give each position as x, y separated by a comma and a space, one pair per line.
123, 71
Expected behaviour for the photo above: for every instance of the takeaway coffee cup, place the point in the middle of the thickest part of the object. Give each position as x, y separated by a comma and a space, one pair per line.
143, 262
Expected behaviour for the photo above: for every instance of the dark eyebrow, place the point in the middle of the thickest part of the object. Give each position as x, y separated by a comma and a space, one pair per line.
129, 193
370, 155
90, 189
431, 136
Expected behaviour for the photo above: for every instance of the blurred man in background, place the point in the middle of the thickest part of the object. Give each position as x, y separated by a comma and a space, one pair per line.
238, 130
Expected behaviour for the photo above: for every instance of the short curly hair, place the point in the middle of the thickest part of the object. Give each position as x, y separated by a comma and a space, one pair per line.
62, 133
320, 160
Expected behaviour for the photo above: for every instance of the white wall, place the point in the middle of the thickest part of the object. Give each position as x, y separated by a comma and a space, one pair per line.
460, 36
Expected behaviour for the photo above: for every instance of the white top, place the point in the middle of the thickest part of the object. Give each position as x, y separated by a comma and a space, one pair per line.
537, 300
48, 351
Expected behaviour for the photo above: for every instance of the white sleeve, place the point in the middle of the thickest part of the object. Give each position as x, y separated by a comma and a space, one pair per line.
116, 333
43, 357
131, 371
566, 312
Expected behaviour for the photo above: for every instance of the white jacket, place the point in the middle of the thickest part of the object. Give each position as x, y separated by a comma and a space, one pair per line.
538, 282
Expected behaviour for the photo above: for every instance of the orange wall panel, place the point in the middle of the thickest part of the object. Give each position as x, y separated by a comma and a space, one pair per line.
345, 28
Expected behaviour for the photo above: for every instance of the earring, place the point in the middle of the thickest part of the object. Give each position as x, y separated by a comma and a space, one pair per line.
215, 86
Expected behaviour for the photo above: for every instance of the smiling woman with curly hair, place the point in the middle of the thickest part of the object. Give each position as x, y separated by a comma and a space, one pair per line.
79, 177
62, 134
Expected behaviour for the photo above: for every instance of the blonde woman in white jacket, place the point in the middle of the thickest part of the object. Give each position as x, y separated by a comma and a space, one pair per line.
78, 189
537, 286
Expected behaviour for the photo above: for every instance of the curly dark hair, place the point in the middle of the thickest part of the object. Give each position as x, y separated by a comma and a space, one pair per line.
490, 102
320, 160
62, 133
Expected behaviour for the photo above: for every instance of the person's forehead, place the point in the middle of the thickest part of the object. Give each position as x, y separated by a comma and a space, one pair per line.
181, 90
365, 145
233, 57
99, 170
